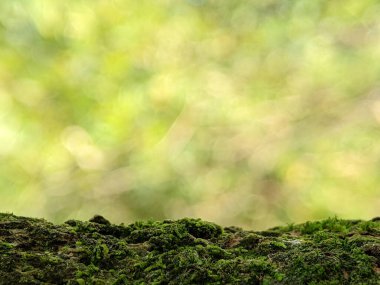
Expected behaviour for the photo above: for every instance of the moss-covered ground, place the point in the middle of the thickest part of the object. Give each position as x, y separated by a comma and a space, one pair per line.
187, 251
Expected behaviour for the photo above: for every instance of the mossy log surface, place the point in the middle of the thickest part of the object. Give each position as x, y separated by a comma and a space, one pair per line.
187, 251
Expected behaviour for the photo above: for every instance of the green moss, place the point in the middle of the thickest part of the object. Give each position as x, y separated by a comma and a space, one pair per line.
187, 251
4, 246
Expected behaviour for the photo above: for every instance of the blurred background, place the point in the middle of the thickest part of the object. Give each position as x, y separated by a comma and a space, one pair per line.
245, 113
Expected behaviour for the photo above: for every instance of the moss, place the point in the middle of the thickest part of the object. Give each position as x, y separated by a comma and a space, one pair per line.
187, 251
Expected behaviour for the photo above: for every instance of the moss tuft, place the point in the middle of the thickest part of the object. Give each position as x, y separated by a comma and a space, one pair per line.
187, 251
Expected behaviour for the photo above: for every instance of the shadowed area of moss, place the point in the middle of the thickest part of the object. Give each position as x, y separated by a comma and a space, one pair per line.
187, 251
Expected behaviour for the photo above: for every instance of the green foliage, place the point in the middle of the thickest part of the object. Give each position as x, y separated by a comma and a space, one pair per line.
241, 112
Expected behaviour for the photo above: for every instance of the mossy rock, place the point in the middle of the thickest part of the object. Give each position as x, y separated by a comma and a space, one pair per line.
187, 251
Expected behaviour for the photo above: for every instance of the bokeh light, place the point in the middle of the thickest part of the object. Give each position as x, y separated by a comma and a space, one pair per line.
251, 113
